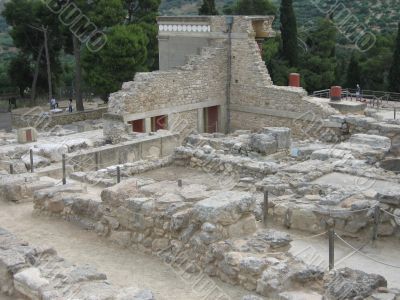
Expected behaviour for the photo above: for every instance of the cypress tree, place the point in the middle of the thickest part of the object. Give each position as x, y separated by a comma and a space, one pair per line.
394, 74
208, 8
289, 33
353, 73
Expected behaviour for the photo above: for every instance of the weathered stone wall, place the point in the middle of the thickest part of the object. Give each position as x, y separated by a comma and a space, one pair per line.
201, 79
191, 227
49, 121
149, 147
256, 102
32, 272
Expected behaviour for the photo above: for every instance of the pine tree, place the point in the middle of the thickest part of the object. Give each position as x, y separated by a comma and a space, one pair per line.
289, 33
394, 74
353, 72
208, 8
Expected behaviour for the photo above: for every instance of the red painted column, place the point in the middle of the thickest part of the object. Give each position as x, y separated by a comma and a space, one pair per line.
294, 79
336, 93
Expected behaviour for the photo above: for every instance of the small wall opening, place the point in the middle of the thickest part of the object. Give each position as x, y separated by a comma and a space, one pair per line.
138, 125
211, 119
159, 122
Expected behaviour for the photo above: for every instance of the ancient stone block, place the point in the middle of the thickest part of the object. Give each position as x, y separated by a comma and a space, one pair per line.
225, 207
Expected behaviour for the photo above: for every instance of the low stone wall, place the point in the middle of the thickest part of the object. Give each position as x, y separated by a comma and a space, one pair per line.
30, 272
191, 226
195, 229
147, 147
230, 166
108, 176
40, 121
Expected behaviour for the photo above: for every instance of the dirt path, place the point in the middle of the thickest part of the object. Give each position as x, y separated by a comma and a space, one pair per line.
124, 267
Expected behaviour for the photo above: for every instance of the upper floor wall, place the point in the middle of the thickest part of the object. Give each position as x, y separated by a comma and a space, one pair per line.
180, 37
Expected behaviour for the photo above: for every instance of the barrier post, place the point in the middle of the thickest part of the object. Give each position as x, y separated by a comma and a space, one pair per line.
265, 207
31, 159
118, 174
377, 213
331, 248
64, 175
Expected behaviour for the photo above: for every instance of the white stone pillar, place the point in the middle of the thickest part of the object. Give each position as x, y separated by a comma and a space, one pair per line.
147, 125
200, 120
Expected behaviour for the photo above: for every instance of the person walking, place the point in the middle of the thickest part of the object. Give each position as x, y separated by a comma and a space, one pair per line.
70, 105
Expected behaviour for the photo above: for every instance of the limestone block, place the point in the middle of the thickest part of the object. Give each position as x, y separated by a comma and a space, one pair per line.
356, 283
253, 265
281, 134
374, 141
263, 143
53, 152
26, 135
121, 238
383, 296
117, 194
245, 226
225, 207
29, 282
38, 161
325, 154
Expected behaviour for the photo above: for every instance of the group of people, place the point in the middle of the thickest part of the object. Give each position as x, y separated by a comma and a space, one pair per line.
54, 104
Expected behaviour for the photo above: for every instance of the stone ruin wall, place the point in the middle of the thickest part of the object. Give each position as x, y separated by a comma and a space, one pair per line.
254, 101
257, 103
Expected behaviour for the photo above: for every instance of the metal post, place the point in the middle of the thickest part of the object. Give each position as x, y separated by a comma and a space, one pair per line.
11, 169
377, 213
96, 160
64, 179
31, 158
394, 113
118, 174
180, 182
331, 248
265, 210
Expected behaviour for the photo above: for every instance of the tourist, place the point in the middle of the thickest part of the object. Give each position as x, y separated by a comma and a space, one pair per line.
70, 105
53, 103
358, 93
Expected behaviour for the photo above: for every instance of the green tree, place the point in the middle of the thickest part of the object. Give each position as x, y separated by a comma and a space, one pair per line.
103, 14
27, 17
208, 8
289, 33
254, 7
394, 74
375, 64
144, 13
124, 54
318, 64
353, 72
20, 72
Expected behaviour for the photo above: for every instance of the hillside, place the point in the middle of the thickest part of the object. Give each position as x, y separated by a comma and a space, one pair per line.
380, 16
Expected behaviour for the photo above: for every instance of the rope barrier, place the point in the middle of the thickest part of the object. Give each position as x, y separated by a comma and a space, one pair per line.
389, 213
311, 236
365, 255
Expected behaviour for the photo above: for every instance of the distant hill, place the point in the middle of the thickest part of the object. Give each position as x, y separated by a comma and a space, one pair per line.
377, 15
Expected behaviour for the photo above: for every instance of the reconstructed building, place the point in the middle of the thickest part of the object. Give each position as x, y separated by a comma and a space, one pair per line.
213, 77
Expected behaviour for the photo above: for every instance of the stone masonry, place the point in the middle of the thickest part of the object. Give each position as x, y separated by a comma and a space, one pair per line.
228, 72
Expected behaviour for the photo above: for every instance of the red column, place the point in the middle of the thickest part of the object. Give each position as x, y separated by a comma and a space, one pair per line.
336, 93
294, 79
